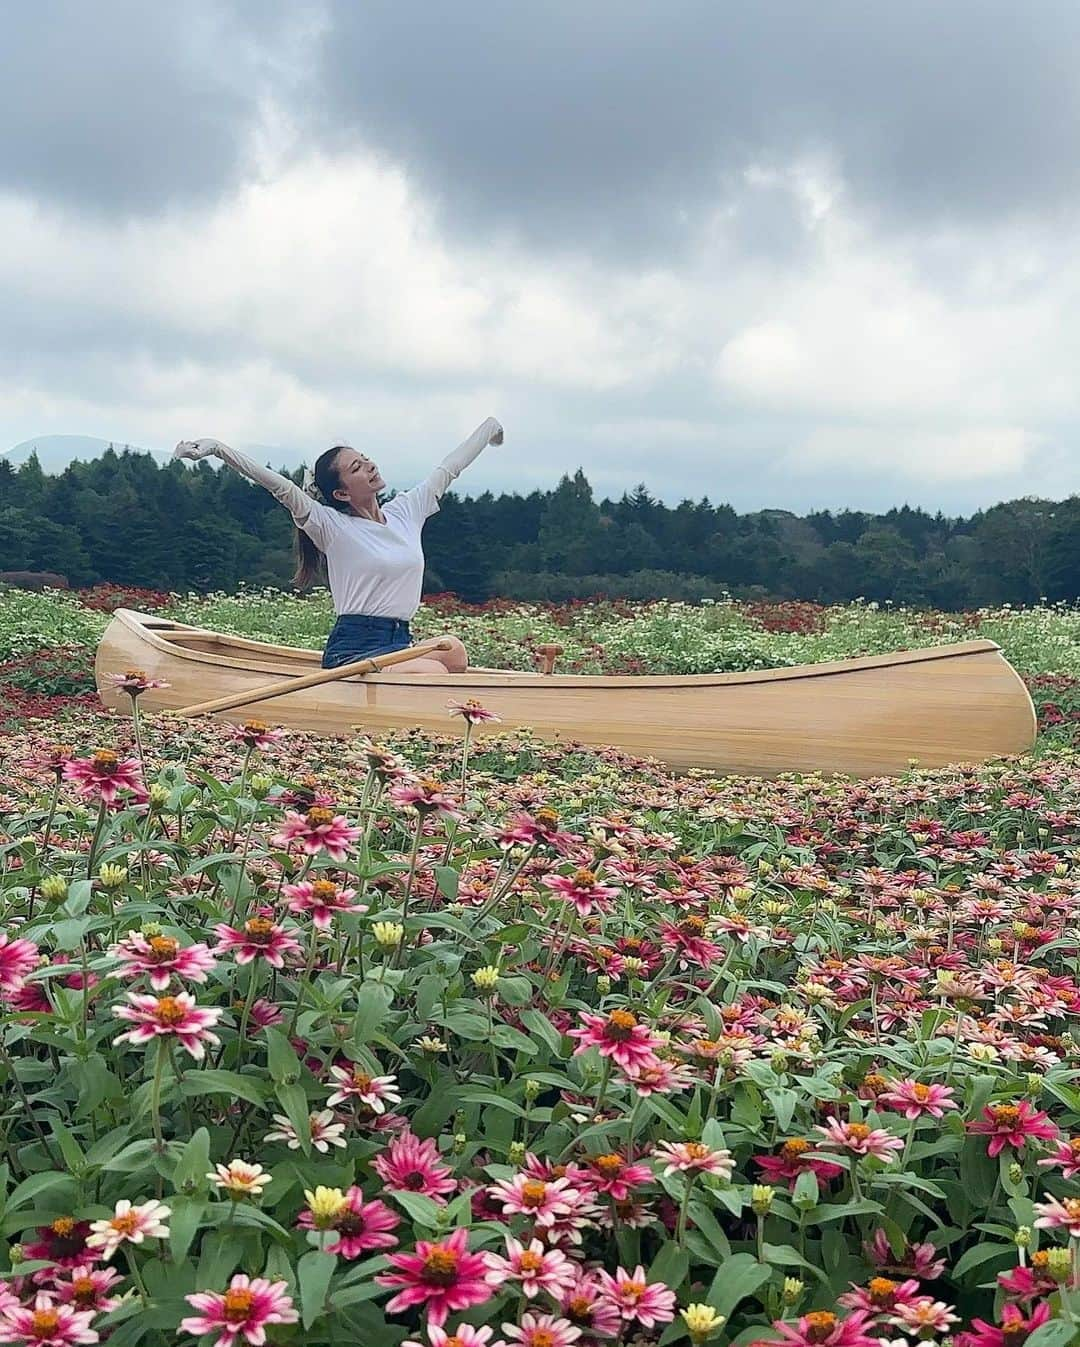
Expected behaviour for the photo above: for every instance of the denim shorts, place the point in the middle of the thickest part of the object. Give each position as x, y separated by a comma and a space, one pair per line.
355, 636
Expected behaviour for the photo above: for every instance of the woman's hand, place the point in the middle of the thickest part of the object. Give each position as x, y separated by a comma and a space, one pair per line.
196, 449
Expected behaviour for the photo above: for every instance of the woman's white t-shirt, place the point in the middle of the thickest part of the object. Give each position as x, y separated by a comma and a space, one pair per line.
375, 569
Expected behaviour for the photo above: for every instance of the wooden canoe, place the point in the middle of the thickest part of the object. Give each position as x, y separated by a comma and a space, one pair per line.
864, 717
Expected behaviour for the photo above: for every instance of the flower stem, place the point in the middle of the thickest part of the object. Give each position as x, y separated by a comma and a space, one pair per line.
96, 839
155, 1093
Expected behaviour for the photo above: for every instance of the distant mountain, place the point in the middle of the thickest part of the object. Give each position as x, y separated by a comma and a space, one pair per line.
55, 452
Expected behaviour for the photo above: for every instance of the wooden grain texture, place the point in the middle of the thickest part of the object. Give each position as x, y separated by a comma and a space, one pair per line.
865, 717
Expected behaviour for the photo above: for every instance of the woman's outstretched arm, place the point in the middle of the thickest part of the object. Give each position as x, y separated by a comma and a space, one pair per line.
298, 503
439, 479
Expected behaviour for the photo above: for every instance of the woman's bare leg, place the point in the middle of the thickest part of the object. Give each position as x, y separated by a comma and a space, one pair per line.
422, 664
454, 660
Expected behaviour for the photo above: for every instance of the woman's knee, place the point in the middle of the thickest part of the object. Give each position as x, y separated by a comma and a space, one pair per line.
456, 659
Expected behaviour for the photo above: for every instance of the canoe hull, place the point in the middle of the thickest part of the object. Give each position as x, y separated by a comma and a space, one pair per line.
865, 717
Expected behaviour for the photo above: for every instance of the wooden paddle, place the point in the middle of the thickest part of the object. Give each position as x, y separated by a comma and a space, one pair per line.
267, 690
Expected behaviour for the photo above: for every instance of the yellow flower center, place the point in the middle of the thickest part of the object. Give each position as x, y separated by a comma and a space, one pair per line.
1074, 1146
547, 818
323, 891
858, 1131
317, 816
533, 1193
82, 1290
361, 1081
126, 1224
882, 1292
794, 1149
237, 1306
440, 1266
579, 1310
632, 1291
819, 1325
169, 1010
258, 930
542, 1337
105, 762
163, 947
696, 1151
620, 1025
921, 1092
531, 1262
1072, 1206
254, 727
584, 879
609, 1165
63, 1226
44, 1323
1006, 1115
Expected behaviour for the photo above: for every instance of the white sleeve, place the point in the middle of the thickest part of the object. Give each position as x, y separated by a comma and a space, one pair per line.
315, 519
438, 480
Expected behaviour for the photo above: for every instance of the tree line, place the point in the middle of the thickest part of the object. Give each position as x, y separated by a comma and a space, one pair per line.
126, 519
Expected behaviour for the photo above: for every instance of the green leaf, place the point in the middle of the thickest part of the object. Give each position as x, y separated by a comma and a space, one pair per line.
783, 1255
1056, 1333
806, 1188
739, 1277
982, 1253
492, 1100
187, 1214
831, 1213
670, 1266
221, 1251
69, 1147
421, 1209
213, 1081
282, 1061
34, 1186
194, 1164
372, 1002
448, 880
783, 1103
313, 1273
538, 1023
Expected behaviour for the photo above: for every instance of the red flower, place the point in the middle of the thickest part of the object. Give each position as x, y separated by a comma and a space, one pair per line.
1011, 1125
104, 775
795, 1156
1014, 1330
410, 1165
444, 1277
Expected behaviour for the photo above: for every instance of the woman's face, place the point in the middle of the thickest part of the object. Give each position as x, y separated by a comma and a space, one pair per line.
359, 479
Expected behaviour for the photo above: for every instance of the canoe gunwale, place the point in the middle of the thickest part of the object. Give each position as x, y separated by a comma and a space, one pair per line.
150, 630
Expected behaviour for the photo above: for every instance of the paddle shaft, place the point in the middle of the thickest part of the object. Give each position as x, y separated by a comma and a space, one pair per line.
265, 691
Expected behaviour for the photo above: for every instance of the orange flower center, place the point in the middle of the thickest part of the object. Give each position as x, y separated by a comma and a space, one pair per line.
542, 1337
692, 926
169, 1010
259, 930
882, 1292
696, 1151
858, 1131
609, 1165
531, 1262
1006, 1115
238, 1305
82, 1289
547, 818
361, 1081
579, 1310
44, 1323
533, 1193
62, 1226
1072, 1206
317, 816
440, 1266
163, 947
105, 762
1074, 1145
875, 1083
584, 879
1015, 1332
921, 1092
632, 1291
620, 1025
126, 1224
254, 726
819, 1325
794, 1149
1040, 1260
323, 891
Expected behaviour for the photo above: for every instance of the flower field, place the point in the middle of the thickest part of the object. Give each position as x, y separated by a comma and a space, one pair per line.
454, 1043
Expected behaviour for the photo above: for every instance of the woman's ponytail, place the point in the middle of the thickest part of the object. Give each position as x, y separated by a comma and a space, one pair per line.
310, 561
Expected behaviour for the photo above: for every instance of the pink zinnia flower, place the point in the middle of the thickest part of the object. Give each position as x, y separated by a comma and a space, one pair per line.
254, 734
18, 959
796, 1155
636, 1299
325, 1132
918, 1260
359, 1226
323, 900
536, 1268
444, 1277
587, 1309
539, 829
821, 1328
582, 890
859, 1139
1066, 1157
62, 1243
104, 775
693, 1157
880, 1295
128, 1225
618, 1036
1056, 1214
243, 1311
134, 682
617, 1177
260, 939
161, 957
463, 1336
375, 1092
157, 1016
914, 1099
426, 797
410, 1165
924, 1317
318, 830
543, 1201
473, 712
1011, 1125
1030, 1282
542, 1330
46, 1324
88, 1288
1014, 1328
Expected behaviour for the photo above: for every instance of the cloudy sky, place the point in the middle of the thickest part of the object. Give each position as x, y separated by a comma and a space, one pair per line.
771, 252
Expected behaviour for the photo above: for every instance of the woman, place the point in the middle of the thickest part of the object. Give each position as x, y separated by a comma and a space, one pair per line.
373, 555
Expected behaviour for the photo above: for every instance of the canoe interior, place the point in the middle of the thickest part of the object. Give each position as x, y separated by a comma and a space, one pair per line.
863, 717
